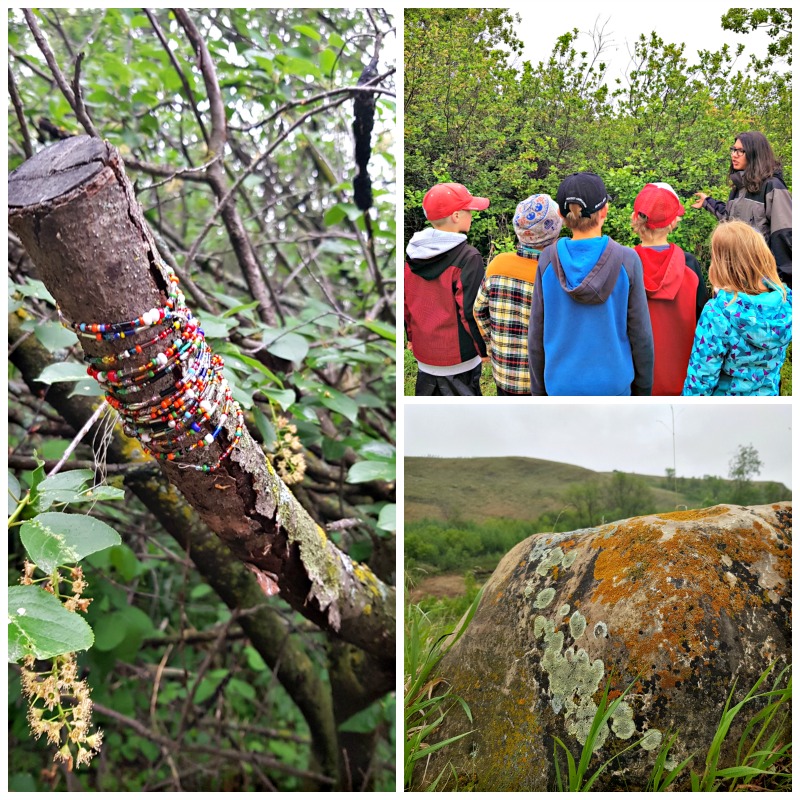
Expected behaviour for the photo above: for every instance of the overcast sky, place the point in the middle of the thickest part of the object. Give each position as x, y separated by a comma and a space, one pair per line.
607, 436
697, 25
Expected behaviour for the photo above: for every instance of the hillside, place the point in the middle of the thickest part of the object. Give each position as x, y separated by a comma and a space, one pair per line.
476, 489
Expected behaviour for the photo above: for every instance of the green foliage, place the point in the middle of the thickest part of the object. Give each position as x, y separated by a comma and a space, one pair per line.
507, 130
39, 626
285, 78
428, 700
743, 467
474, 541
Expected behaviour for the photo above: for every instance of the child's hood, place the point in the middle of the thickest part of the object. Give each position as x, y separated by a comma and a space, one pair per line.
762, 320
664, 271
587, 270
430, 243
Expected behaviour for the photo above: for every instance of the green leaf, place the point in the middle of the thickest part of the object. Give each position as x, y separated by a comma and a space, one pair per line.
206, 689
265, 427
109, 631
383, 330
378, 451
336, 401
54, 336
387, 519
363, 721
254, 659
291, 346
307, 30
40, 626
242, 688
334, 215
200, 591
104, 493
87, 388
124, 561
284, 398
363, 471
242, 307
55, 538
327, 59
35, 289
63, 371
65, 487
14, 493
217, 327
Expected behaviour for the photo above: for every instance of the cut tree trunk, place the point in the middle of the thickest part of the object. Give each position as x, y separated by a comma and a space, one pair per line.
74, 210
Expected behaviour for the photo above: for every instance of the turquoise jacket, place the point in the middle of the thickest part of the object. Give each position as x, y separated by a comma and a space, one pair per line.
740, 344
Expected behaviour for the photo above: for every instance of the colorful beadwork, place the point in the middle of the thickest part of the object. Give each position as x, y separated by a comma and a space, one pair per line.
191, 412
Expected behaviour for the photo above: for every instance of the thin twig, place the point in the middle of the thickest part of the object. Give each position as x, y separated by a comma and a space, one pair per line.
232, 755
23, 124
77, 440
77, 105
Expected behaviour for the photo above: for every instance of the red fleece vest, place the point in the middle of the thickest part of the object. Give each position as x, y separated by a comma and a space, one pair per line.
671, 297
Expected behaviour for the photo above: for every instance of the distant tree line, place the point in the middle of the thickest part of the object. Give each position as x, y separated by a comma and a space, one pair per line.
462, 545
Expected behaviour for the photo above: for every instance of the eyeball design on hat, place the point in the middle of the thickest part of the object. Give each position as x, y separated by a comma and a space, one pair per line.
537, 221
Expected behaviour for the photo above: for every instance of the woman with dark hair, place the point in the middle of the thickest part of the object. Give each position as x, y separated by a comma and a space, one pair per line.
759, 197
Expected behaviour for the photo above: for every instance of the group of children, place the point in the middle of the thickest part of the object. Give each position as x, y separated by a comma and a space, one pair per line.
583, 315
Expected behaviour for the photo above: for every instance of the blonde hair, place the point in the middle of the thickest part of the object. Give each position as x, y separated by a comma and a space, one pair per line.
639, 225
741, 260
574, 221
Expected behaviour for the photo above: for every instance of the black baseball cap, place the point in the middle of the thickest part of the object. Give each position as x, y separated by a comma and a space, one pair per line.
584, 188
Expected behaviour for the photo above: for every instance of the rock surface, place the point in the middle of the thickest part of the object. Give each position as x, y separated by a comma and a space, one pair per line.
677, 604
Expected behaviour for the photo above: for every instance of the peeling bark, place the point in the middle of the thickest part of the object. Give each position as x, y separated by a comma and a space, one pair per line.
75, 213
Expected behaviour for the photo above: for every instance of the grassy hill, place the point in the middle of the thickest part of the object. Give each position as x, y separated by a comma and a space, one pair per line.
477, 489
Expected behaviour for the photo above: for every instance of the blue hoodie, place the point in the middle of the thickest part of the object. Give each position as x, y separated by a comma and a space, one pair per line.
590, 331
740, 344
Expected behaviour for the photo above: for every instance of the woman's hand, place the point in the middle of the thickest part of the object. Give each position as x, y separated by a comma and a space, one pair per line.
701, 199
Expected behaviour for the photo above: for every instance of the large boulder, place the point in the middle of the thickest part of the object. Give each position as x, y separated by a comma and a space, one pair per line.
677, 604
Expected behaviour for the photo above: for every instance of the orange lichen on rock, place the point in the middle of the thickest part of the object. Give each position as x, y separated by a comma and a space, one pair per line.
679, 582
695, 513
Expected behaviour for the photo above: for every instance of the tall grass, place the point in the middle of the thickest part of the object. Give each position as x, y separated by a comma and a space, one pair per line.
428, 699
763, 756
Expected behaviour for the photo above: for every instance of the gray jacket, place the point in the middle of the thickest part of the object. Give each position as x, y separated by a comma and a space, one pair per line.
769, 211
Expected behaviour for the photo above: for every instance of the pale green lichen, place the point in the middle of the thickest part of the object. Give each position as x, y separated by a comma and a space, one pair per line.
571, 676
564, 610
651, 739
577, 624
541, 625
622, 723
544, 598
552, 558
579, 723
528, 590
600, 630
569, 559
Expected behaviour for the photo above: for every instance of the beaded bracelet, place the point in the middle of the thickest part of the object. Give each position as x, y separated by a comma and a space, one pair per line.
168, 422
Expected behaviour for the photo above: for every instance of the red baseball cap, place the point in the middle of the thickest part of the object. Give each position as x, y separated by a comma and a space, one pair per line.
445, 198
659, 203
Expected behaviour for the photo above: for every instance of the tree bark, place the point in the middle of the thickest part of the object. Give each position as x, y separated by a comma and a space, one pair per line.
75, 213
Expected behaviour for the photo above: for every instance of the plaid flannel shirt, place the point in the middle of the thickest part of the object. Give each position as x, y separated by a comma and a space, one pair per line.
502, 310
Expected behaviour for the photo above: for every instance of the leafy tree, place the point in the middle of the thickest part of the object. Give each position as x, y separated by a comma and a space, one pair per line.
742, 468
628, 495
587, 499
776, 21
237, 127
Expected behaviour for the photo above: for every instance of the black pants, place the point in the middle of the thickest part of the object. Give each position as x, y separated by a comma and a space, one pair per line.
465, 384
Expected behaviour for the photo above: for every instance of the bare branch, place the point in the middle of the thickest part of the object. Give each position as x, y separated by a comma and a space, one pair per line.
75, 103
23, 124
